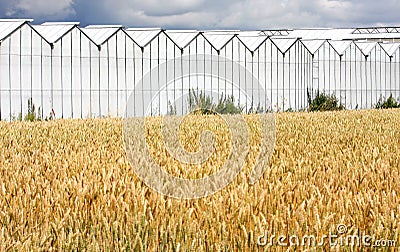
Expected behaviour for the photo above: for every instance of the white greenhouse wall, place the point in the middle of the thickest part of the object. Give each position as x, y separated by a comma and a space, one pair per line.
92, 72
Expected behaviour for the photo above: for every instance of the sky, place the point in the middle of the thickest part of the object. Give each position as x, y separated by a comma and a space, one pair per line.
206, 14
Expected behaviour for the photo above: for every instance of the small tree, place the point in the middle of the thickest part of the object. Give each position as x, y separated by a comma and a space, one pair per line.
323, 102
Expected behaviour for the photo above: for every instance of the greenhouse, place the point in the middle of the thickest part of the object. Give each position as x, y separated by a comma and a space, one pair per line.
69, 71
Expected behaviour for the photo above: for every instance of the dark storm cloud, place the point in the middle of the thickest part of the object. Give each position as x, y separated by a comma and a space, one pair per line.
205, 14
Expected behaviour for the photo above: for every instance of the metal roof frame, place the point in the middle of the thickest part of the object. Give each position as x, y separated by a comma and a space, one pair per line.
276, 32
377, 30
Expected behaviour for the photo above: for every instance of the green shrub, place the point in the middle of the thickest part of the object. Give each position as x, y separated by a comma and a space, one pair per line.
226, 105
387, 103
323, 102
203, 104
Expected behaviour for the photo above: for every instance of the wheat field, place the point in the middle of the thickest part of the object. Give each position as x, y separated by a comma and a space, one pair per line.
67, 185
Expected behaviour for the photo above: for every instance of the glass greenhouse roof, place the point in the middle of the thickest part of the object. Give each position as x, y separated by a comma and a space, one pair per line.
313, 39
334, 34
252, 42
100, 34
218, 39
390, 48
340, 46
9, 26
366, 47
52, 32
143, 36
313, 45
284, 44
182, 38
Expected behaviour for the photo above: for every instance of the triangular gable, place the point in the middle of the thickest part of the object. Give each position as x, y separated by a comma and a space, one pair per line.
9, 26
390, 48
366, 47
313, 45
182, 38
143, 36
284, 44
340, 46
100, 34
